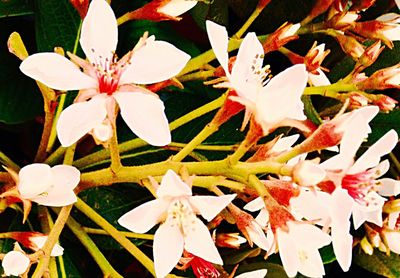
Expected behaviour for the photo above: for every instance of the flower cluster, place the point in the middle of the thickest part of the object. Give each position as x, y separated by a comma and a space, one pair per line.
300, 180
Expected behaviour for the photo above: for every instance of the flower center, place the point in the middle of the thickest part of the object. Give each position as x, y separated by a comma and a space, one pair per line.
108, 73
180, 213
258, 73
360, 185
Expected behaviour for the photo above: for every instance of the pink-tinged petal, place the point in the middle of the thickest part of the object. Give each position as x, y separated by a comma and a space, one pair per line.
374, 153
198, 241
260, 273
39, 241
15, 263
319, 79
144, 115
258, 237
79, 118
154, 62
177, 7
288, 253
173, 186
280, 99
66, 176
210, 206
392, 220
311, 206
218, 37
263, 218
285, 143
34, 179
342, 243
308, 236
99, 35
57, 72
311, 264
144, 217
341, 208
254, 205
167, 248
388, 187
393, 241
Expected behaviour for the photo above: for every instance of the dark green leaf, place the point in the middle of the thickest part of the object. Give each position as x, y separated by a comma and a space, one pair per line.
216, 11
382, 123
9, 8
380, 263
57, 24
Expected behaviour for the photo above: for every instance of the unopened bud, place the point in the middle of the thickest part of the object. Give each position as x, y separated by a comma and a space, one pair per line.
366, 246
81, 6
315, 57
386, 78
229, 240
320, 7
370, 55
283, 35
350, 46
343, 20
361, 5
385, 103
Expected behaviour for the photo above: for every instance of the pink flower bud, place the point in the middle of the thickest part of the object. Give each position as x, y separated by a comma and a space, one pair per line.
283, 35
350, 46
361, 5
81, 6
385, 103
386, 78
229, 240
370, 55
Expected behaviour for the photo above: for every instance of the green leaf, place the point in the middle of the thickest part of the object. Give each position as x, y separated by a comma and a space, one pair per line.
20, 100
9, 8
380, 263
382, 123
57, 24
216, 11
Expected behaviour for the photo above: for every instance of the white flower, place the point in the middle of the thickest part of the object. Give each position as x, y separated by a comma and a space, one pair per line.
106, 82
176, 209
270, 101
15, 263
298, 249
175, 8
48, 186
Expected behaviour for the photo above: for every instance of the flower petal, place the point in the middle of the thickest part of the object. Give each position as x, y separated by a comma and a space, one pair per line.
15, 263
210, 206
99, 35
198, 241
374, 153
34, 179
311, 265
39, 241
319, 79
342, 243
154, 62
280, 99
284, 143
288, 252
144, 115
56, 196
260, 273
79, 118
393, 241
173, 186
177, 7
56, 71
389, 187
167, 248
263, 218
308, 236
218, 37
66, 176
144, 217
258, 237
254, 205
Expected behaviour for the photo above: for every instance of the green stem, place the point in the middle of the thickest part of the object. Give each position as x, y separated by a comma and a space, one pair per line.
114, 152
197, 140
61, 102
87, 242
120, 238
221, 148
126, 234
395, 161
136, 143
293, 152
248, 22
200, 75
238, 172
330, 90
48, 122
51, 241
6, 161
